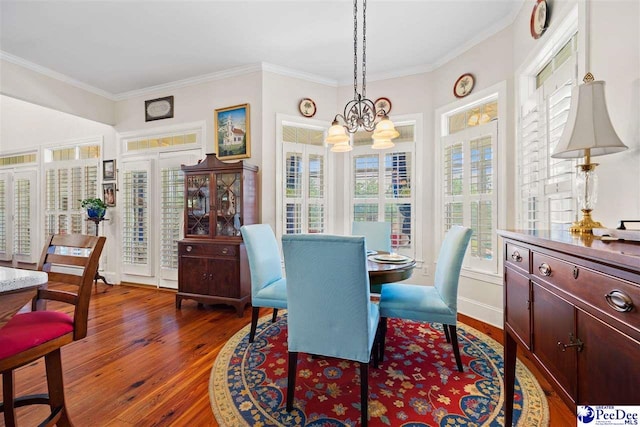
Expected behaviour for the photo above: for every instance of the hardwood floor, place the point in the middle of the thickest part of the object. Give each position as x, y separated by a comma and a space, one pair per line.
144, 363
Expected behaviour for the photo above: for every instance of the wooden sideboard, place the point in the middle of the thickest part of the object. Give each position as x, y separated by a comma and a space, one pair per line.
572, 303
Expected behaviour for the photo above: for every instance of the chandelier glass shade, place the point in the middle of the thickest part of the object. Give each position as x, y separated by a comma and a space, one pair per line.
360, 113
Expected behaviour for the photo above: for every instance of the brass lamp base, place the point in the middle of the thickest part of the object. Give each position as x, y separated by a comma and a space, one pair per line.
585, 225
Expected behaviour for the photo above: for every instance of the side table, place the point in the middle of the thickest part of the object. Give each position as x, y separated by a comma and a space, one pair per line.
97, 222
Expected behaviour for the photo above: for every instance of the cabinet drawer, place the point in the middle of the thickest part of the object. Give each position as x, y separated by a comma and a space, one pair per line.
517, 256
614, 297
208, 249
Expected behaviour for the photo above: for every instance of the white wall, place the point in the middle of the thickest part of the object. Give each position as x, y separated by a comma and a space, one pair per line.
26, 125
22, 83
614, 56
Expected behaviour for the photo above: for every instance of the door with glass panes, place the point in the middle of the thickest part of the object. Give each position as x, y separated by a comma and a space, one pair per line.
152, 200
19, 239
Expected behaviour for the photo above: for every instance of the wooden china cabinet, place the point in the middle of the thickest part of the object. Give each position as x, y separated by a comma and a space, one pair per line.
219, 198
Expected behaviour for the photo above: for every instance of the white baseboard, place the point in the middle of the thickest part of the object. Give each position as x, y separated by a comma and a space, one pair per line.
483, 312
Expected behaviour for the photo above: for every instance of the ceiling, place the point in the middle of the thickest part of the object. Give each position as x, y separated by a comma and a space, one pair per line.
117, 48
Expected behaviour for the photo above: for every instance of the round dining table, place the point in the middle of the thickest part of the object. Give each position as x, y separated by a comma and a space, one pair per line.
381, 272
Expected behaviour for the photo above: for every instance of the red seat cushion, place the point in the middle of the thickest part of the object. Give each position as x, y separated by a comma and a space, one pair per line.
28, 330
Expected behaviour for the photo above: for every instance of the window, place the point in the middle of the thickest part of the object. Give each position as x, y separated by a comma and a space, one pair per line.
545, 185
304, 183
71, 174
382, 185
467, 179
135, 218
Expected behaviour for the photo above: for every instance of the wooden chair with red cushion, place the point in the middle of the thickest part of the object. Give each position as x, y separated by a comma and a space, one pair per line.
71, 261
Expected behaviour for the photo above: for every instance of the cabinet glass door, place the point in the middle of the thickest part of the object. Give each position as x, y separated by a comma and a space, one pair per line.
198, 205
228, 204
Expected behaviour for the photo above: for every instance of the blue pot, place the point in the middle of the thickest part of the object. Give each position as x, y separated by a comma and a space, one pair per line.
96, 212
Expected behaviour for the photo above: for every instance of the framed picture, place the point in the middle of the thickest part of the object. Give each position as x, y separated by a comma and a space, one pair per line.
109, 193
233, 136
158, 109
108, 170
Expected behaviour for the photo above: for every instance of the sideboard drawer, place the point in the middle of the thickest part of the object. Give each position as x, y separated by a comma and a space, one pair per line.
615, 297
194, 249
518, 257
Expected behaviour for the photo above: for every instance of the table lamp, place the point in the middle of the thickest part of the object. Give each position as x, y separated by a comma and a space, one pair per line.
587, 133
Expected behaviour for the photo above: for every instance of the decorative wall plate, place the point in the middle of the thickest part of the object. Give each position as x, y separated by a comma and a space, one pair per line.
463, 86
538, 22
383, 104
307, 107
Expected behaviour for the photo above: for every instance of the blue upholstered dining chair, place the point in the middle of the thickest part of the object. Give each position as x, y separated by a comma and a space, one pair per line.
268, 286
330, 313
377, 234
377, 238
437, 303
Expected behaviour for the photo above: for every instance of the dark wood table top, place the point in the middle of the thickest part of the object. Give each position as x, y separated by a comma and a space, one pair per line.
380, 273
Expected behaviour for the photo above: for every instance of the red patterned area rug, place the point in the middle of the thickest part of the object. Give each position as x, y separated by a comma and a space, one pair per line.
416, 385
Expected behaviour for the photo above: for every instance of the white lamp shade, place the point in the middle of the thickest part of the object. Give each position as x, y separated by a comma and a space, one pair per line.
342, 147
385, 129
381, 144
336, 135
588, 125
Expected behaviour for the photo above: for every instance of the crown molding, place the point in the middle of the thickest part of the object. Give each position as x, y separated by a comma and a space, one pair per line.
54, 75
289, 72
218, 75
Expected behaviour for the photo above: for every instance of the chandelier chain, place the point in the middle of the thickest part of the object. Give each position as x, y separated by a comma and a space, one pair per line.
355, 48
364, 49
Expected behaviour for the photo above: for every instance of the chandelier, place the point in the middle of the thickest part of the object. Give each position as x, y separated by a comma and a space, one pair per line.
360, 112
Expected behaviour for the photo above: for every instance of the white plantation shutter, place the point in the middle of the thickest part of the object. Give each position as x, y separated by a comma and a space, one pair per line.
172, 212
304, 180
25, 249
171, 205
468, 191
367, 177
136, 224
66, 184
5, 238
545, 185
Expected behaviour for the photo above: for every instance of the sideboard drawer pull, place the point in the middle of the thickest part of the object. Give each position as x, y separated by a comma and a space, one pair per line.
545, 269
225, 251
516, 256
189, 248
619, 301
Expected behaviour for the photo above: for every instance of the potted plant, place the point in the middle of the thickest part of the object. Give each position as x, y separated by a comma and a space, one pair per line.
96, 208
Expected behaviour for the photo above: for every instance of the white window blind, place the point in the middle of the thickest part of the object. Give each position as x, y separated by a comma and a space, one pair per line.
66, 184
5, 253
468, 191
545, 185
172, 212
23, 235
382, 185
136, 237
304, 184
